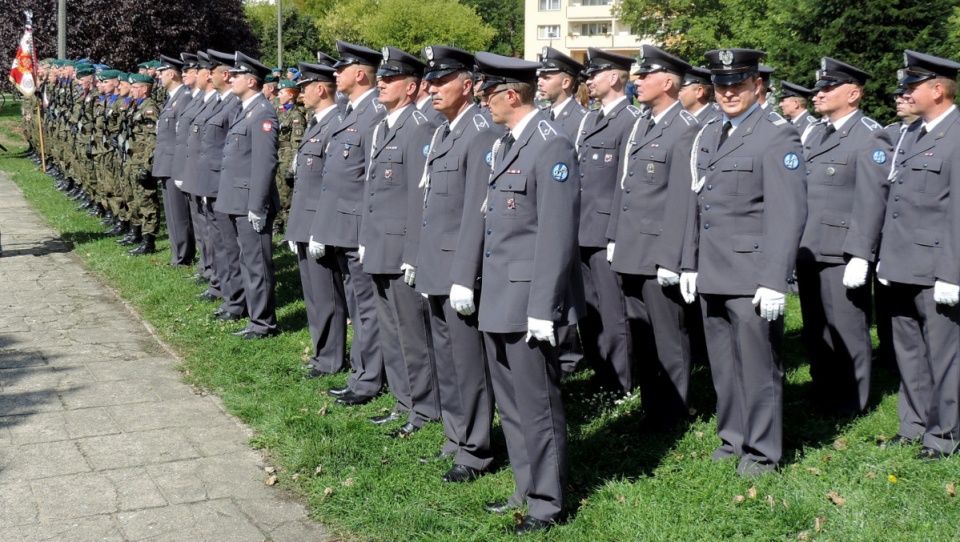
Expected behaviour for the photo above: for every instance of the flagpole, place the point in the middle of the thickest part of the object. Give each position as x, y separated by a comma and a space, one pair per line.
43, 156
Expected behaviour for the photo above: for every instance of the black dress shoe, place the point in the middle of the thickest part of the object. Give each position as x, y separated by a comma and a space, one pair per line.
250, 335
207, 296
194, 276
931, 454
229, 317
440, 456
500, 507
531, 524
201, 281
404, 431
314, 373
897, 440
386, 418
352, 399
338, 392
461, 473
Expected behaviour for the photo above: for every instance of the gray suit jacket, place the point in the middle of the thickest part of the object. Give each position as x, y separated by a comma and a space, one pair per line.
250, 162
570, 118
309, 179
346, 153
167, 132
530, 257
390, 227
451, 212
600, 146
192, 175
655, 170
857, 153
751, 208
184, 130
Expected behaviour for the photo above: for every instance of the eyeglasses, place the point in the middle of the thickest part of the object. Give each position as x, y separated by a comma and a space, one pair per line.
487, 95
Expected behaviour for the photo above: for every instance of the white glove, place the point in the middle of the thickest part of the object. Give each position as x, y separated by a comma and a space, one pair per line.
540, 330
945, 293
178, 183
688, 286
885, 282
316, 250
461, 299
610, 247
855, 273
361, 250
204, 199
293, 246
409, 274
255, 221
771, 303
667, 277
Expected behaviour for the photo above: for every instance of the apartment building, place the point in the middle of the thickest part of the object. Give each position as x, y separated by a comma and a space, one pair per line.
573, 25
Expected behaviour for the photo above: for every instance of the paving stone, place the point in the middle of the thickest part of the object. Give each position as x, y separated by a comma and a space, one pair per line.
74, 496
89, 422
107, 393
136, 449
100, 528
207, 520
17, 505
34, 428
35, 461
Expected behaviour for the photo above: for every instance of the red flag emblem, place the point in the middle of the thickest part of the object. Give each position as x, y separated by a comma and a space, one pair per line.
22, 71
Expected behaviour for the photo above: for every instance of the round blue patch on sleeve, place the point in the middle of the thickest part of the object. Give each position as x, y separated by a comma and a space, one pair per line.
488, 158
879, 157
560, 172
426, 149
791, 161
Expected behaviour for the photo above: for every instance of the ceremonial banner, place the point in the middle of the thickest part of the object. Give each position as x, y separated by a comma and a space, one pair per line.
22, 74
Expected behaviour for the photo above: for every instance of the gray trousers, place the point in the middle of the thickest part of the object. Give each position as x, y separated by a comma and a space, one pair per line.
256, 269
228, 265
926, 339
747, 373
325, 301
463, 383
526, 386
203, 224
176, 209
604, 332
407, 350
366, 358
836, 332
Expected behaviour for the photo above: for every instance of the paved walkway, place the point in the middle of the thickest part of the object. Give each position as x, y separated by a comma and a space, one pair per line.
99, 438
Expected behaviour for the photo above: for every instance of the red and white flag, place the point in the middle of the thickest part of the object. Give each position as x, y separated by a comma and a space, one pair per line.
23, 72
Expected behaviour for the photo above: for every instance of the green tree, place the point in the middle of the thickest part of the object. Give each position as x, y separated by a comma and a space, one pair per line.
506, 16
300, 39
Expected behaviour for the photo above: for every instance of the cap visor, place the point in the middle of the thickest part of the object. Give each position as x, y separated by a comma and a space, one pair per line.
489, 84
437, 74
730, 78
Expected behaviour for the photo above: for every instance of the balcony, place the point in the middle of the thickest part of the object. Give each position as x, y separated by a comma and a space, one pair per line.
621, 40
577, 11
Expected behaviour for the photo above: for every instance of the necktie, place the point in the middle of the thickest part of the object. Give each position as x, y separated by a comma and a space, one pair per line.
508, 141
313, 122
446, 131
921, 133
553, 115
830, 129
599, 115
650, 125
348, 111
385, 131
724, 132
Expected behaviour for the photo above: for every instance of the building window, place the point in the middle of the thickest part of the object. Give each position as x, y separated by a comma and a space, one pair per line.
548, 32
595, 2
594, 29
549, 5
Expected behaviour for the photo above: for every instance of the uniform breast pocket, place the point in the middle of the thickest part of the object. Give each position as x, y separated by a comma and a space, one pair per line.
513, 200
925, 173
602, 154
443, 174
833, 231
236, 136
738, 176
310, 161
653, 164
834, 170
391, 164
347, 145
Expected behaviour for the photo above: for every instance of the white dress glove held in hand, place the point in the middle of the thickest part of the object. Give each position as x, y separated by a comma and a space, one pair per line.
855, 273
178, 183
461, 299
255, 221
540, 330
610, 248
667, 277
771, 303
361, 250
884, 282
316, 250
688, 286
409, 274
945, 293
293, 246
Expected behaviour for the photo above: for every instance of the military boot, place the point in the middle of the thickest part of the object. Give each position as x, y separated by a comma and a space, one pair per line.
108, 219
120, 227
132, 237
145, 247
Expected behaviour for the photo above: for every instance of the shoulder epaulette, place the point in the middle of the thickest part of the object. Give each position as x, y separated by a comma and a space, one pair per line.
687, 117
378, 106
870, 123
633, 110
776, 119
480, 122
418, 117
545, 129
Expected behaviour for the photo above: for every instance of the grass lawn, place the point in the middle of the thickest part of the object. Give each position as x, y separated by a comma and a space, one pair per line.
834, 482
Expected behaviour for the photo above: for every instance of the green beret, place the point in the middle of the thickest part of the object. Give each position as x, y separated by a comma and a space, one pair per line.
287, 83
154, 64
270, 79
140, 78
143, 65
108, 74
122, 76
83, 70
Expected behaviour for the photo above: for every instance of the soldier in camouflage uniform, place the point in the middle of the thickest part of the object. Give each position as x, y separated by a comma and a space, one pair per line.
292, 125
80, 125
122, 180
145, 212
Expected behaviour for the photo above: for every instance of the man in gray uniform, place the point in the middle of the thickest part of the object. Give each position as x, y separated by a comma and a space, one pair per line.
191, 70
327, 321
455, 182
334, 234
920, 255
848, 150
248, 194
602, 136
175, 207
389, 234
696, 95
793, 103
646, 228
743, 240
531, 284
